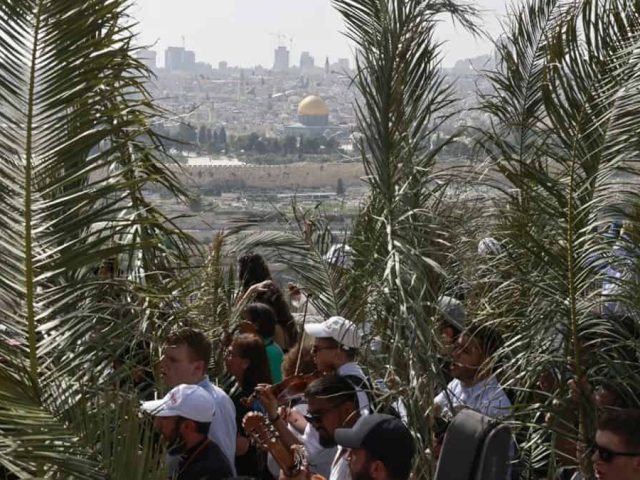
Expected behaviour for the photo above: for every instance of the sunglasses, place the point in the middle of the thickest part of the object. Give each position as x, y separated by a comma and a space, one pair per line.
607, 455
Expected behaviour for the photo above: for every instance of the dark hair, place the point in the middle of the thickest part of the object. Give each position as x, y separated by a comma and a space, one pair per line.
252, 269
263, 317
290, 361
616, 391
251, 347
487, 337
335, 388
622, 422
275, 299
198, 344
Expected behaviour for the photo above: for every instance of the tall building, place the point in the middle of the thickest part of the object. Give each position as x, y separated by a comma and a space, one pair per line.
343, 64
189, 60
148, 57
281, 61
173, 58
179, 59
306, 61
222, 66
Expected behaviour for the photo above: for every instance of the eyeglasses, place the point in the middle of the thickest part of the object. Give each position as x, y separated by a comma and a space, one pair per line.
316, 349
607, 455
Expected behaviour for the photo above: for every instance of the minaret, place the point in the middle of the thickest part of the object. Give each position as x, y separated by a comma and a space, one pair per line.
327, 69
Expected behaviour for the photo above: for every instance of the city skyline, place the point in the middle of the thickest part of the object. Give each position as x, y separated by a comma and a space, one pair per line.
246, 32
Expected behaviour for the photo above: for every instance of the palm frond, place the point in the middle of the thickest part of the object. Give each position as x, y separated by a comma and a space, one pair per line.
76, 153
560, 139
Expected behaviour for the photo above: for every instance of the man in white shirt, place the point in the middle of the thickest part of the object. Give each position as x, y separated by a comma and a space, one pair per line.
335, 347
185, 360
474, 385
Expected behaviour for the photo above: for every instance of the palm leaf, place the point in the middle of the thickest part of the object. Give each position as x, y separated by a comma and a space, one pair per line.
76, 152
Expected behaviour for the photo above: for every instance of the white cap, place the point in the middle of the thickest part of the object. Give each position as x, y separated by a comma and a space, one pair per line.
340, 329
489, 247
188, 401
452, 311
339, 255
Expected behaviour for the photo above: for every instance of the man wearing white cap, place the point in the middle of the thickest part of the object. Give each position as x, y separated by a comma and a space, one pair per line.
335, 347
183, 418
185, 358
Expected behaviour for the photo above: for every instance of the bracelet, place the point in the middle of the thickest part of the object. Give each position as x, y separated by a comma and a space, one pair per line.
275, 419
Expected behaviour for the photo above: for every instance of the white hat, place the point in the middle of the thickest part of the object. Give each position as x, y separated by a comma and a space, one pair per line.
339, 255
489, 247
340, 329
188, 401
452, 311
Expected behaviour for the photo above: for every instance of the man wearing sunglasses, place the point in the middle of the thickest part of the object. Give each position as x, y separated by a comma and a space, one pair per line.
332, 405
616, 451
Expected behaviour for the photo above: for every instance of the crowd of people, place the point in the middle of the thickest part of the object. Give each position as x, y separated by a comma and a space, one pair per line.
314, 404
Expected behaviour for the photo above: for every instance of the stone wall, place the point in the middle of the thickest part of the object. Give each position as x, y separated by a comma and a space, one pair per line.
292, 176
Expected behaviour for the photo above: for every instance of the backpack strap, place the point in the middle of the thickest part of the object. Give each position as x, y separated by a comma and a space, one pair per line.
363, 385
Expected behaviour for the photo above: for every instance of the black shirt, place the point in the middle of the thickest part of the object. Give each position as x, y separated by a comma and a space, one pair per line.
203, 461
254, 462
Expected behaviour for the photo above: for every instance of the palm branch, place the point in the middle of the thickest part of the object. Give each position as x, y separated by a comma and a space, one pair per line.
560, 137
76, 153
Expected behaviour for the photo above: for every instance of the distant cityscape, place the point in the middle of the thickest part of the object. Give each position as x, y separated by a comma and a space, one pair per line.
254, 138
304, 107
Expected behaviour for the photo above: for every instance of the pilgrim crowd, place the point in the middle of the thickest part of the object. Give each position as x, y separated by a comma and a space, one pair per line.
299, 404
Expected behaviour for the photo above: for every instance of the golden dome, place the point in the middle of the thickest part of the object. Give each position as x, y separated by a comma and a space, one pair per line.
313, 106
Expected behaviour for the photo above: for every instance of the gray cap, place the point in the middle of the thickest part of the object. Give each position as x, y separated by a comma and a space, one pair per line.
452, 311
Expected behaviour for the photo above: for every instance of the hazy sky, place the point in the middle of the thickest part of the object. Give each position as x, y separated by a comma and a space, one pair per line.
244, 32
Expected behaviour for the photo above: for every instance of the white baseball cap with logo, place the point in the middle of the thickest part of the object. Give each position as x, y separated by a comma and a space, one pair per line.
188, 401
339, 328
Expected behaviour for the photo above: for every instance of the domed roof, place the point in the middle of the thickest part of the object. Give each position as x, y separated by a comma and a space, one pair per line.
313, 106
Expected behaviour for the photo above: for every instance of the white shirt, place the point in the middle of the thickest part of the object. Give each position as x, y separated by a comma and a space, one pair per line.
223, 428
486, 397
352, 368
340, 466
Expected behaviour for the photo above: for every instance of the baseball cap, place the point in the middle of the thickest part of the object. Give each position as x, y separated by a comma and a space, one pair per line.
452, 312
385, 438
339, 328
188, 401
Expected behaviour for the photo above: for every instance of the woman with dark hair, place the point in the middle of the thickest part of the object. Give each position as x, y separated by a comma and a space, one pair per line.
258, 286
252, 269
246, 360
262, 317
